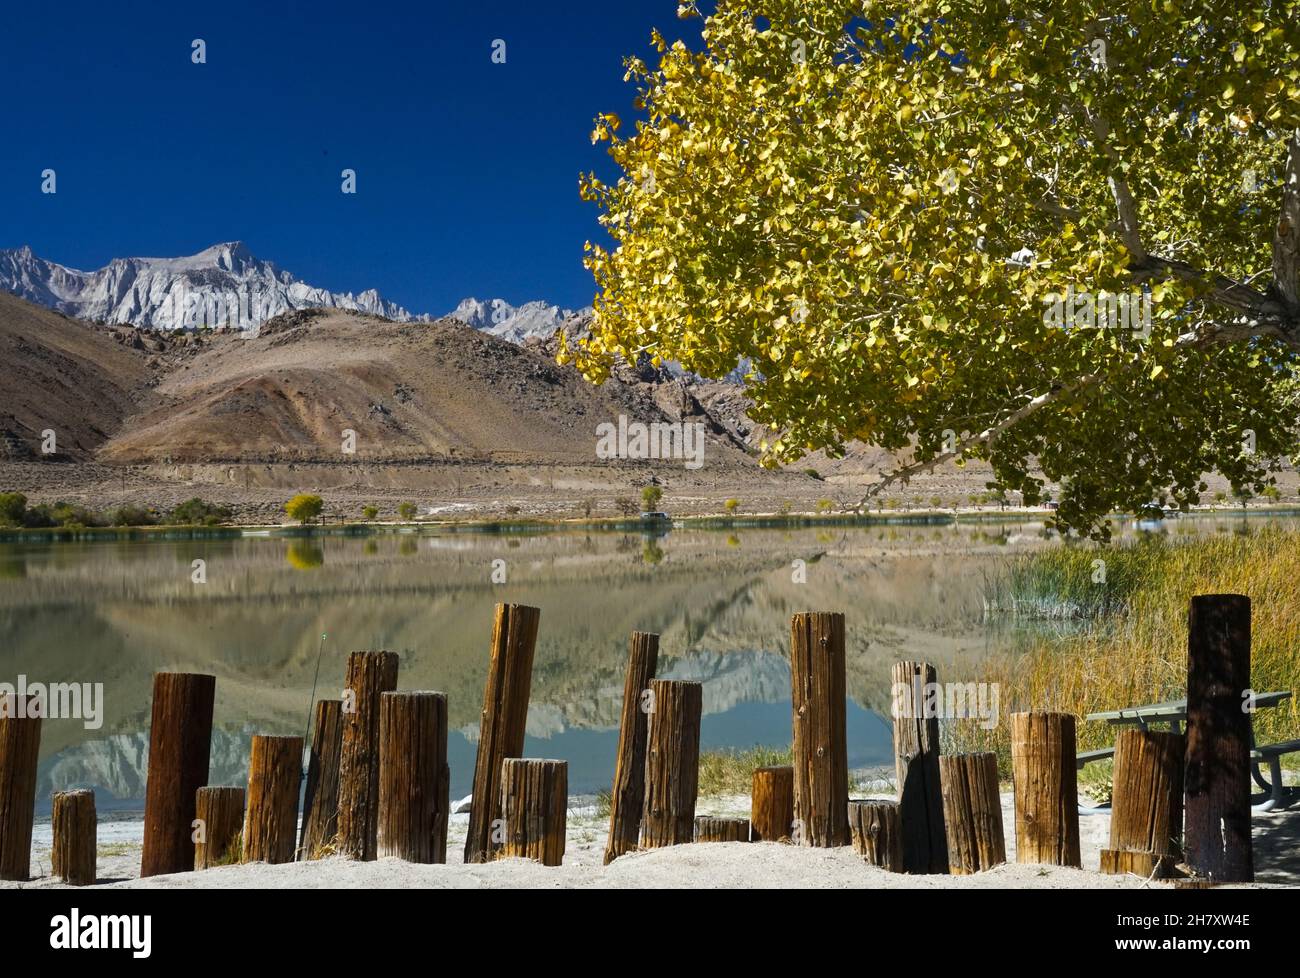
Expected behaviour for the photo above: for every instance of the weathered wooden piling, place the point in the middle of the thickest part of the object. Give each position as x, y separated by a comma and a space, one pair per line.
20, 747
627, 798
916, 766
218, 838
503, 721
413, 803
1146, 804
672, 768
534, 807
1217, 774
369, 676
180, 737
972, 812
877, 833
73, 826
821, 763
320, 806
1046, 788
716, 828
274, 777
771, 804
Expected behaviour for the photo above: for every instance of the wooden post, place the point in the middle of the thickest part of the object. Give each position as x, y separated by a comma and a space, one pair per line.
20, 747
73, 827
821, 760
274, 776
369, 676
877, 833
711, 828
972, 812
672, 763
771, 804
1217, 777
534, 807
627, 797
221, 811
916, 766
1046, 789
1147, 807
502, 723
413, 808
180, 736
320, 806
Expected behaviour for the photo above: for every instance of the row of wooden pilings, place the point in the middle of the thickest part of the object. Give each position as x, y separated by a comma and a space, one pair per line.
377, 778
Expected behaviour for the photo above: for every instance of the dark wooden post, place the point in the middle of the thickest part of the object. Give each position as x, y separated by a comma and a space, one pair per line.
1046, 788
771, 804
627, 797
320, 806
369, 676
1217, 778
180, 736
821, 759
502, 723
972, 812
413, 806
73, 826
534, 808
1147, 806
20, 747
274, 776
672, 763
877, 833
916, 766
220, 813
715, 828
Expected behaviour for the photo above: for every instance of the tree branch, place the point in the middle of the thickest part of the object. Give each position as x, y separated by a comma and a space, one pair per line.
1286, 236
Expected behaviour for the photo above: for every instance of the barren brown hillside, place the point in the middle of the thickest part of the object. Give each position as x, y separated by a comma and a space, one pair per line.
60, 374
408, 390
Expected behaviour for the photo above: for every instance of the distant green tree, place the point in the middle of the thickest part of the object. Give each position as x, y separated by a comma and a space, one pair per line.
13, 508
651, 495
304, 507
198, 512
406, 511
370, 512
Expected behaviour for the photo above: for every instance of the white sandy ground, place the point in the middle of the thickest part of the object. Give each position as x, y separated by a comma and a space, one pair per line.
703, 865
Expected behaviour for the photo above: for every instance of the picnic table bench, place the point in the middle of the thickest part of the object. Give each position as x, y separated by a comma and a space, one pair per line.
1174, 712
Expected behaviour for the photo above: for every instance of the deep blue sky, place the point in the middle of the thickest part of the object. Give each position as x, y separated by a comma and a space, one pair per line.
467, 170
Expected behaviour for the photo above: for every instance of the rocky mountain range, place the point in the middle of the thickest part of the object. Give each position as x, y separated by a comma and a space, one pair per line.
228, 286
222, 286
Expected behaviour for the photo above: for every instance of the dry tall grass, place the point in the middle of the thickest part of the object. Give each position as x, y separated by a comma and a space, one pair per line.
1133, 646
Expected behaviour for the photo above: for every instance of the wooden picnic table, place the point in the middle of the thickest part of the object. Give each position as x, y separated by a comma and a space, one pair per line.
1174, 713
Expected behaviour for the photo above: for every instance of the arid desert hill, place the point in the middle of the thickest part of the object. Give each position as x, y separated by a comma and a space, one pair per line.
407, 391
56, 373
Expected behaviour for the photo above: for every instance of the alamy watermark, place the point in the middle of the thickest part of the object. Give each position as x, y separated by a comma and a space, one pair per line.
946, 701
657, 440
53, 701
1102, 310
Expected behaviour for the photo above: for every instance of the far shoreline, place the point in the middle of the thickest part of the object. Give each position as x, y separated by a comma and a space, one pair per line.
542, 525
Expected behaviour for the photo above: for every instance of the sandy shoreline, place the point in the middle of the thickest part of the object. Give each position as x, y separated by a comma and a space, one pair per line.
699, 866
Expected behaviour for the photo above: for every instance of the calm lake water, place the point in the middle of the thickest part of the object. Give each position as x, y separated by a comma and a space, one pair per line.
116, 612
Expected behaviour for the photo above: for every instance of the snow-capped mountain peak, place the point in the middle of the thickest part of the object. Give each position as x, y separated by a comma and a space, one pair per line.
224, 285
514, 323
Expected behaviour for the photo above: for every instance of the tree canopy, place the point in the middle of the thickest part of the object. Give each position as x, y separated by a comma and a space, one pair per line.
908, 219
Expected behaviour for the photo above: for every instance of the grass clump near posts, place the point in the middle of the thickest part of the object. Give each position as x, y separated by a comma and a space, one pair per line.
1132, 647
731, 772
